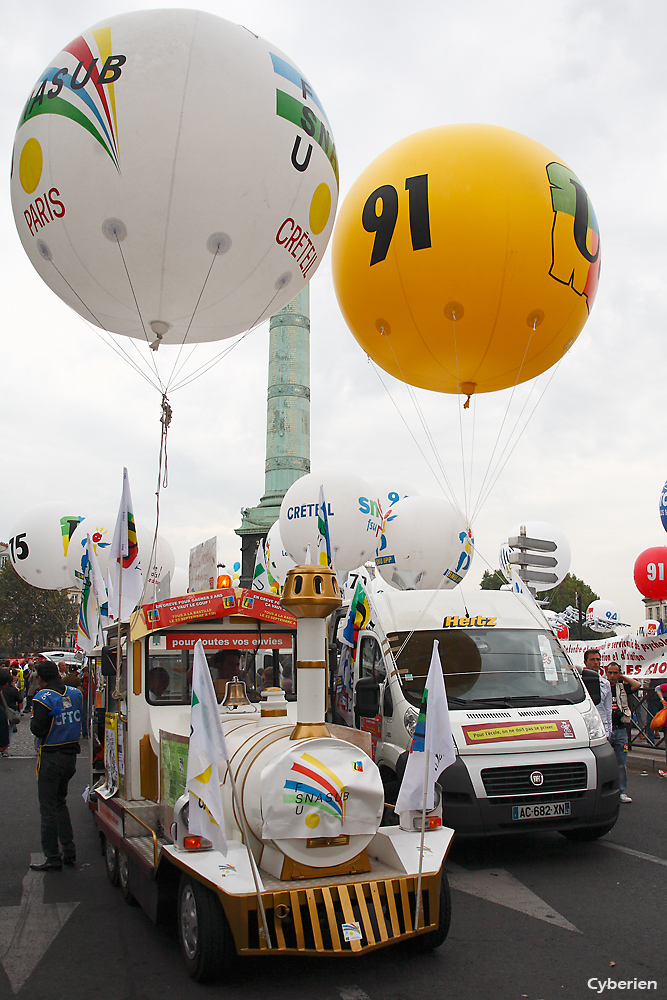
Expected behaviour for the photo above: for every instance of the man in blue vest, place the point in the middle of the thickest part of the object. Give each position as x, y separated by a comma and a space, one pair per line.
56, 721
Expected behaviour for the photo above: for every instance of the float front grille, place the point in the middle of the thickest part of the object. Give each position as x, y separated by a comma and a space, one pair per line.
310, 920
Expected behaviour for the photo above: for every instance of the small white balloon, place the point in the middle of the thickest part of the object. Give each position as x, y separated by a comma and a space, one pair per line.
600, 613
549, 533
427, 540
39, 544
163, 560
279, 562
178, 585
354, 524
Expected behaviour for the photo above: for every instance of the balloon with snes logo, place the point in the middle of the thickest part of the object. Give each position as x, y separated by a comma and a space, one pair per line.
174, 177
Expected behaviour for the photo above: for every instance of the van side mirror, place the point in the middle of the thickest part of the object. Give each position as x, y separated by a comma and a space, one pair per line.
108, 661
367, 698
591, 681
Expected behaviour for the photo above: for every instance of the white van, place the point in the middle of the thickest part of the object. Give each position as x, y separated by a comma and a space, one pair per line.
531, 748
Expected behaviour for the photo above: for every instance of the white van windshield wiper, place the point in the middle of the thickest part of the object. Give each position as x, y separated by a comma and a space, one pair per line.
487, 703
519, 701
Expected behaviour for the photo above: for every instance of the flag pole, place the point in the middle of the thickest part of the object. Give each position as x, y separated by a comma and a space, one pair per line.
418, 894
117, 692
251, 857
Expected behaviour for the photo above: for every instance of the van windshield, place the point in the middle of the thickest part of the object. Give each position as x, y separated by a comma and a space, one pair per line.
489, 668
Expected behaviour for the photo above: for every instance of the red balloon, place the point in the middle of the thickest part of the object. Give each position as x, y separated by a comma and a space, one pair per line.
563, 632
651, 573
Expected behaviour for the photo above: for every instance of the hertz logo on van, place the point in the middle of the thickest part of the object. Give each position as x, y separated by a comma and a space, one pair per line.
453, 621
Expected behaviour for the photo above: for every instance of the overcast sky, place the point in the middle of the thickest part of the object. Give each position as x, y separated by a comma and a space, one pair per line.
586, 79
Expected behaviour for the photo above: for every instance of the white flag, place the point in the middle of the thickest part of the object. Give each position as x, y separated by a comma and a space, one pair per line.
522, 590
260, 577
207, 747
323, 537
107, 610
93, 602
518, 585
124, 557
433, 734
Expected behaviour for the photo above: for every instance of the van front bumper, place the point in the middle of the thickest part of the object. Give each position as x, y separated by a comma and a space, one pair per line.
468, 808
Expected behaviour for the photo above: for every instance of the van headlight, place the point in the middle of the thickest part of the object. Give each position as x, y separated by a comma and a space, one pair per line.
594, 724
410, 721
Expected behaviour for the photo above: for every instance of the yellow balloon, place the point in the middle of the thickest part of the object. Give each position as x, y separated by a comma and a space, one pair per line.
466, 258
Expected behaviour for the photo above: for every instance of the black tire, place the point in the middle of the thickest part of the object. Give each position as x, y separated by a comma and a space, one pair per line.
427, 942
206, 939
111, 861
124, 879
587, 833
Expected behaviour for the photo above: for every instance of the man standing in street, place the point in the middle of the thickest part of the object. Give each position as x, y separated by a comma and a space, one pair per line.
56, 721
621, 718
592, 662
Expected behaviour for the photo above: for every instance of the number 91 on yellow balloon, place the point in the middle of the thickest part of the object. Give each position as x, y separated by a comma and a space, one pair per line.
466, 259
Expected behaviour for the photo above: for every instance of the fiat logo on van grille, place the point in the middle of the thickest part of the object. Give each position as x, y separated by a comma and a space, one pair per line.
537, 777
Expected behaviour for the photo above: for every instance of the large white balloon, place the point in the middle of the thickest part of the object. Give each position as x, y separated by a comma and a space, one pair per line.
39, 543
389, 492
426, 541
101, 527
549, 533
279, 561
353, 529
173, 173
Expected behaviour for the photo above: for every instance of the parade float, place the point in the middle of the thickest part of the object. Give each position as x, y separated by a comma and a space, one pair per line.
309, 867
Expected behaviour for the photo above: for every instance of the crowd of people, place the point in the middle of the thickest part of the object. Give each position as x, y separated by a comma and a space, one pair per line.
54, 695
19, 683
613, 702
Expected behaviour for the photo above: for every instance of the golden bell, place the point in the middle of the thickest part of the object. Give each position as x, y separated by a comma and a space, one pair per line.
235, 694
311, 592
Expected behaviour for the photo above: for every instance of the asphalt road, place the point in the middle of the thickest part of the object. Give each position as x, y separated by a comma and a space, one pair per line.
532, 917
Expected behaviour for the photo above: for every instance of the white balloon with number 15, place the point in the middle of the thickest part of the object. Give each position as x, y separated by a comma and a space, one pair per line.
39, 543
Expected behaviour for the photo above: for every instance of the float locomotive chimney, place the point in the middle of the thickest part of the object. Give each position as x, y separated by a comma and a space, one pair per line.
311, 593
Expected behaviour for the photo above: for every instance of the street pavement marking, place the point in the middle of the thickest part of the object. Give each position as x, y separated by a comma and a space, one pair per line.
27, 931
635, 854
498, 886
352, 993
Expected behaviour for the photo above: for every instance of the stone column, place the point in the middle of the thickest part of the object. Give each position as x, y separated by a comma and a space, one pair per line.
287, 423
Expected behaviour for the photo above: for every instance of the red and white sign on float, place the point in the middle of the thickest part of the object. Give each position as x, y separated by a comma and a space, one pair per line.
230, 640
213, 604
